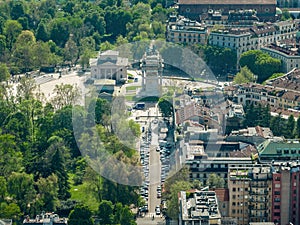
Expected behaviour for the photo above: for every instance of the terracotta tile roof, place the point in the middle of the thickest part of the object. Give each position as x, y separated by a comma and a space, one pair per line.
222, 194
226, 2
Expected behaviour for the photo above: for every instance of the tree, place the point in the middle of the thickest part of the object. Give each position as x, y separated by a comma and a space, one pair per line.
71, 51
261, 64
23, 50
57, 153
215, 181
290, 127
42, 32
10, 155
166, 107
21, 188
172, 202
298, 128
105, 212
80, 215
12, 211
244, 76
4, 73
59, 31
12, 29
48, 192
65, 95
3, 188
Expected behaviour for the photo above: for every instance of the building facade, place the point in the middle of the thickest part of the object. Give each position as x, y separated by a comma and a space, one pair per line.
243, 39
152, 66
266, 10
109, 65
198, 208
186, 31
286, 194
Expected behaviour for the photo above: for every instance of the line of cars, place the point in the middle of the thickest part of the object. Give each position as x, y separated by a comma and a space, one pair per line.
144, 156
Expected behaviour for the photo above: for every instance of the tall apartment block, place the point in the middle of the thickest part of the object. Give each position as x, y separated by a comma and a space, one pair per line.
286, 194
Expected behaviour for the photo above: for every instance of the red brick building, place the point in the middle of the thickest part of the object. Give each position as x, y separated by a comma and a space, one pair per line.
265, 9
286, 195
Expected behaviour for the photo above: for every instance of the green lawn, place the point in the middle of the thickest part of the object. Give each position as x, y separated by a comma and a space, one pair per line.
130, 98
132, 88
82, 194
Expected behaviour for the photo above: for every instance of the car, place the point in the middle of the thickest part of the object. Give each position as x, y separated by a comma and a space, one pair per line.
158, 149
157, 210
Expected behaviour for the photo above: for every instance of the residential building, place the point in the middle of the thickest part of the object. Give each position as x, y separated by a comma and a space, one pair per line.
186, 31
265, 10
45, 219
260, 193
239, 185
252, 135
223, 200
198, 208
286, 194
243, 39
109, 65
6, 222
287, 51
276, 97
233, 18
279, 149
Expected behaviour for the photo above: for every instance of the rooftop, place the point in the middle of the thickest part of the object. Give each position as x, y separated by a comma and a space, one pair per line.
226, 2
197, 205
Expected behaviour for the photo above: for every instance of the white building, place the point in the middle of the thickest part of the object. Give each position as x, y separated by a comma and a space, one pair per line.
108, 65
198, 208
255, 37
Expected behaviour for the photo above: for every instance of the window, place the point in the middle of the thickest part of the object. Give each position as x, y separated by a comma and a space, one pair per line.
276, 199
277, 207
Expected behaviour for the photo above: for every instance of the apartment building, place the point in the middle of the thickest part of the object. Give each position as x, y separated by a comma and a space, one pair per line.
239, 185
279, 149
265, 10
286, 194
275, 96
250, 193
260, 194
198, 208
186, 31
254, 37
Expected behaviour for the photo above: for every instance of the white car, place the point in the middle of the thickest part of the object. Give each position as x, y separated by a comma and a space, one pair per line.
157, 210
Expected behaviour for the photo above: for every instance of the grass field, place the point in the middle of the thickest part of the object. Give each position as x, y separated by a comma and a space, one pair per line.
132, 88
82, 194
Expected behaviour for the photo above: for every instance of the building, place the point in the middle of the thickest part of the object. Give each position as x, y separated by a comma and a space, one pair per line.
252, 135
186, 31
152, 66
109, 65
243, 39
286, 194
260, 193
279, 149
198, 208
6, 222
265, 10
250, 193
45, 219
223, 201
275, 96
233, 18
239, 185
287, 51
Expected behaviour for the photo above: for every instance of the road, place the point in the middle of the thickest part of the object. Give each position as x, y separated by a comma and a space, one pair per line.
154, 179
